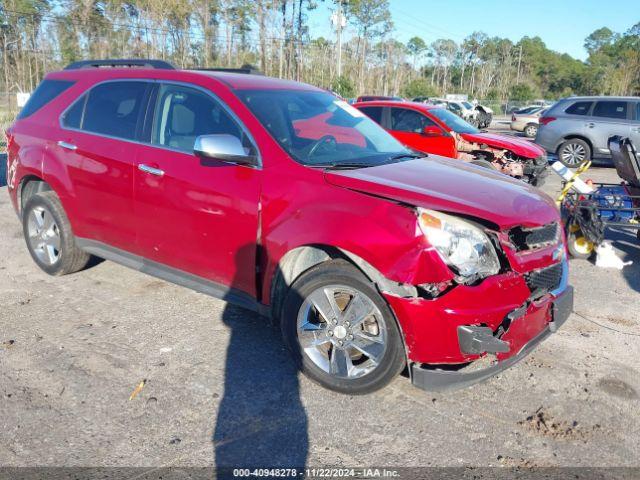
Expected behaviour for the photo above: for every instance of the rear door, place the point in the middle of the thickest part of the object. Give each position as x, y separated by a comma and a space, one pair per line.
198, 216
609, 117
98, 140
417, 131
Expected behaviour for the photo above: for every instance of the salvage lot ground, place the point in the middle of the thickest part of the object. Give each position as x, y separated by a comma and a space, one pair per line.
220, 388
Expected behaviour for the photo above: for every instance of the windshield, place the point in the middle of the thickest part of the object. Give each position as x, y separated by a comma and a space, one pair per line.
468, 105
453, 121
316, 128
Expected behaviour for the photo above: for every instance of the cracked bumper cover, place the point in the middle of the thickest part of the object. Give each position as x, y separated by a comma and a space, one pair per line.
447, 380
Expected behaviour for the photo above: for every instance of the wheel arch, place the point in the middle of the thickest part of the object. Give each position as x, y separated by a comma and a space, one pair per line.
575, 136
29, 186
300, 259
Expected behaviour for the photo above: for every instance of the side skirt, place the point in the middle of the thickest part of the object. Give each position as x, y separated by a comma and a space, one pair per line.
173, 275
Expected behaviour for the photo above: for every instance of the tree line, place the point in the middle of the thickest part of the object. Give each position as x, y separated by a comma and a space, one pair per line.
37, 36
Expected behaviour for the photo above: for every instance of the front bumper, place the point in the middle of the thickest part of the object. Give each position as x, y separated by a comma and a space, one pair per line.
433, 379
446, 336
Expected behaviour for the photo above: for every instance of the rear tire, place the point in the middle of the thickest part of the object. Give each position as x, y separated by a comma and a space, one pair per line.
573, 152
355, 346
49, 237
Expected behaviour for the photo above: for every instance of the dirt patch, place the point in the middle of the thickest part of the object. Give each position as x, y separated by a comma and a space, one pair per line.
624, 322
507, 461
544, 424
618, 388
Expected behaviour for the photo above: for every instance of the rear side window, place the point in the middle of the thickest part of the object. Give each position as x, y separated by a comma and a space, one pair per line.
637, 111
46, 91
579, 108
374, 113
610, 109
113, 109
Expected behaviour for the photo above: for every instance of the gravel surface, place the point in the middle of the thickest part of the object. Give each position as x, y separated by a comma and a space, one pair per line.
219, 388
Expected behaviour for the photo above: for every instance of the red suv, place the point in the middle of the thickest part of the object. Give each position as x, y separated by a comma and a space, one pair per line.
434, 129
281, 198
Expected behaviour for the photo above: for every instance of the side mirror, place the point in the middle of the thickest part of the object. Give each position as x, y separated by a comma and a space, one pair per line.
432, 131
224, 147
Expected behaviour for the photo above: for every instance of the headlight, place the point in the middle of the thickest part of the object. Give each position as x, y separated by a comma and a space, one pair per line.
462, 245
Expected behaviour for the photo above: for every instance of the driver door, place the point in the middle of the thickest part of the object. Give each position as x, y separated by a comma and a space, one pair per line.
198, 216
419, 132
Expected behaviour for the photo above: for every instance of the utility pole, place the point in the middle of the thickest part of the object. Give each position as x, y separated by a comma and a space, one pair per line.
519, 62
339, 21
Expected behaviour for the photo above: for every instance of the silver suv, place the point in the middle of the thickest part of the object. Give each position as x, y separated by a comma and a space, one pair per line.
578, 128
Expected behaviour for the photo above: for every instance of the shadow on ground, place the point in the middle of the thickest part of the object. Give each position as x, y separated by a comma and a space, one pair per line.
261, 421
628, 244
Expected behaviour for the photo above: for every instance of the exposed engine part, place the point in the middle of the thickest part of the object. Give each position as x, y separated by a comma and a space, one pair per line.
528, 169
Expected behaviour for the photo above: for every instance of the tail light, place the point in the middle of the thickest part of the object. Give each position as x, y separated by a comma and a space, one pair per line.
513, 118
546, 120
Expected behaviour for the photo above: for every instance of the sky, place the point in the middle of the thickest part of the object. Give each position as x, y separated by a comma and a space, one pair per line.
562, 24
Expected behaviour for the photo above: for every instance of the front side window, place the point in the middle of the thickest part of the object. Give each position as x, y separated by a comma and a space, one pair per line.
46, 91
610, 109
404, 120
316, 128
113, 109
579, 108
183, 114
452, 121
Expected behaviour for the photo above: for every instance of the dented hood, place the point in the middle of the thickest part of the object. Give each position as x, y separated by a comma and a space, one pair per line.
518, 146
452, 186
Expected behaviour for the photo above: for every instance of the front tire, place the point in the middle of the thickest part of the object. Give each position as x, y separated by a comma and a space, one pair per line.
573, 152
530, 131
340, 331
49, 237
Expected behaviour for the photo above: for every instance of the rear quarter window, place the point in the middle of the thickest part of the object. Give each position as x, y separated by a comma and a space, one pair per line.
46, 92
579, 108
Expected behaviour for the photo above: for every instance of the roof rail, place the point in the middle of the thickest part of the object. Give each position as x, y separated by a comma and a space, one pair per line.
144, 63
246, 69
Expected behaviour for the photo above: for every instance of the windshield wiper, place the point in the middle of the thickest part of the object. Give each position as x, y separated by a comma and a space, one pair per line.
341, 165
395, 158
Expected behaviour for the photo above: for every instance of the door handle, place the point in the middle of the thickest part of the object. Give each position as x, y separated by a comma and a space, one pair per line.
66, 145
590, 125
152, 170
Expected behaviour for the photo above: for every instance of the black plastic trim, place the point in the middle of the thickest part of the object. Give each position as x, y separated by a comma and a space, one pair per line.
121, 62
173, 275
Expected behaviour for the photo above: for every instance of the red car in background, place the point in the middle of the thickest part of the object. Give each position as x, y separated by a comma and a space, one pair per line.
433, 129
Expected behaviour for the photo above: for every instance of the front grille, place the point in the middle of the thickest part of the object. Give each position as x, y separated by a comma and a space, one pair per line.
544, 280
532, 238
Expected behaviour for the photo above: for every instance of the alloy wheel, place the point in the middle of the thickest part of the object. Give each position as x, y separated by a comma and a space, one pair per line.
44, 235
573, 154
342, 331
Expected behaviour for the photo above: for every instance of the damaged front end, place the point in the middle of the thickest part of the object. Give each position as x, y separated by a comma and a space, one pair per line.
459, 333
530, 170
